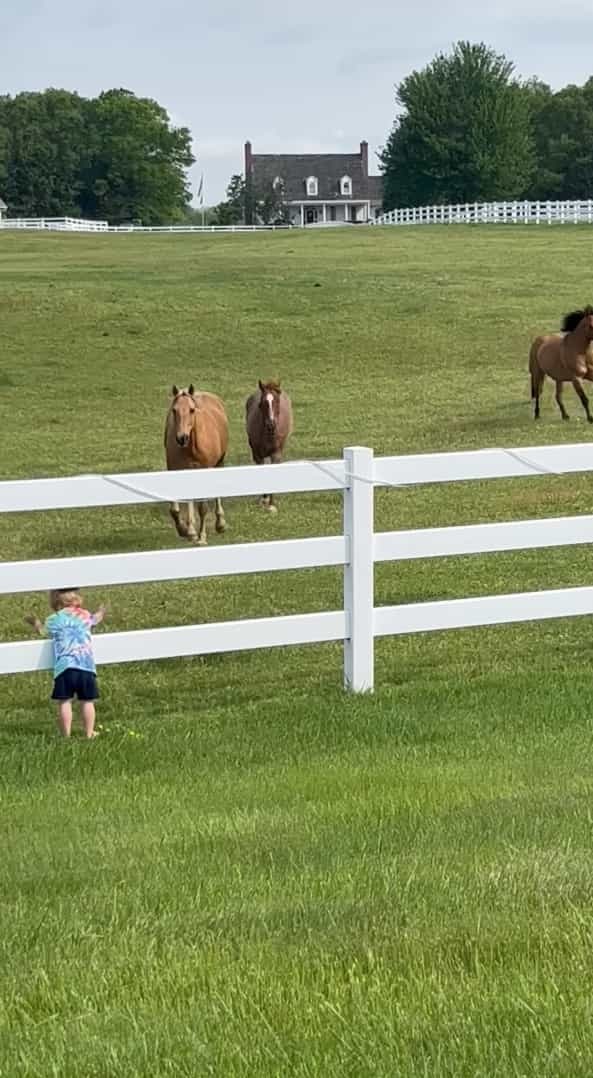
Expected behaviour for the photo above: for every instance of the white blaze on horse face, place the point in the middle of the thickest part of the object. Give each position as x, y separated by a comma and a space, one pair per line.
270, 404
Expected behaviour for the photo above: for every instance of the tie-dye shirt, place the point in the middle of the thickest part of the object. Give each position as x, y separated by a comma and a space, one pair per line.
70, 633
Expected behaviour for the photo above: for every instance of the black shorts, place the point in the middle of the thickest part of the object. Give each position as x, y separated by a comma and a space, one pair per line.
79, 683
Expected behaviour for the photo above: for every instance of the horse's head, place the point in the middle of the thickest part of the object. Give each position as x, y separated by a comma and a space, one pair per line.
581, 319
269, 404
183, 410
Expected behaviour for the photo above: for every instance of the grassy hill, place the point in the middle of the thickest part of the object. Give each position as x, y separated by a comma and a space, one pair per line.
249, 873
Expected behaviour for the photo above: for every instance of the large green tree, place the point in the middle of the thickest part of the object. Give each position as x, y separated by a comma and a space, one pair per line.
137, 161
464, 132
116, 157
563, 129
44, 137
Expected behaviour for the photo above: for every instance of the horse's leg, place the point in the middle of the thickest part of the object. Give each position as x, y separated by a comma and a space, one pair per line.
580, 392
191, 521
275, 459
559, 388
220, 517
176, 516
203, 511
263, 498
537, 386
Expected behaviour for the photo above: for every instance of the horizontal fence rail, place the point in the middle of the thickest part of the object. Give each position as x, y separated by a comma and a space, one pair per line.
187, 640
294, 477
492, 213
355, 552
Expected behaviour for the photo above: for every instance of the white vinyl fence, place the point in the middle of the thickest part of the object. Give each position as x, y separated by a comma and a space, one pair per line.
77, 224
493, 213
472, 213
52, 224
357, 549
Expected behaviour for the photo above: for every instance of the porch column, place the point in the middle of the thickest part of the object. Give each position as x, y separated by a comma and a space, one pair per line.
324, 213
302, 216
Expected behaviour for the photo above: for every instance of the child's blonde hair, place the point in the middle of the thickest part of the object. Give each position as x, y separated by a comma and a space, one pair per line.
61, 597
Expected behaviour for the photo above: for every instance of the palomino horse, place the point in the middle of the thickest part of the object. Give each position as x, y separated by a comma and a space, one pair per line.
196, 436
268, 420
564, 357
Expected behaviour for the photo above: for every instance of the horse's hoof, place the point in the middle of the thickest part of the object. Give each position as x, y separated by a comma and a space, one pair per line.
272, 508
220, 526
201, 540
590, 418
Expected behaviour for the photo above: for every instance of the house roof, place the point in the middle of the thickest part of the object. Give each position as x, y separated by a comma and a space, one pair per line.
3, 205
329, 168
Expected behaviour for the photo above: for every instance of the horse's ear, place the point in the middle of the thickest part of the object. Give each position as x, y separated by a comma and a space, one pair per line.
261, 385
175, 391
191, 389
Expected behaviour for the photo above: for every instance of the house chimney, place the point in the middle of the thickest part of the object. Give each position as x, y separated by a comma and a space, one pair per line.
248, 208
364, 156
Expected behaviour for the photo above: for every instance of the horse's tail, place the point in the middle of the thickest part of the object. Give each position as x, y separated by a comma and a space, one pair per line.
534, 367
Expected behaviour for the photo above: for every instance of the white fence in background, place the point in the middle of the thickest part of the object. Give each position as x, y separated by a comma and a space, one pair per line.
76, 224
493, 213
472, 213
356, 550
52, 224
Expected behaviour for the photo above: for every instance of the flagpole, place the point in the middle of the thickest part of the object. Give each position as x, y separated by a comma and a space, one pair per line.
201, 196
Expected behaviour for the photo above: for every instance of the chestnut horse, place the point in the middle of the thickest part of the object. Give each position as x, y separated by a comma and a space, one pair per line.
196, 436
564, 357
268, 421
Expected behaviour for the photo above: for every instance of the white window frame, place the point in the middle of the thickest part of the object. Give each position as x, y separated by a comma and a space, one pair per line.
346, 186
312, 187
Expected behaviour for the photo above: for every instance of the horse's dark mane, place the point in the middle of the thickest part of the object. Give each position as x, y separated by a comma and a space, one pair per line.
572, 320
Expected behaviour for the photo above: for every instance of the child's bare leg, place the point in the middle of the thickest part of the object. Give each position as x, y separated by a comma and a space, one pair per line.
87, 714
65, 717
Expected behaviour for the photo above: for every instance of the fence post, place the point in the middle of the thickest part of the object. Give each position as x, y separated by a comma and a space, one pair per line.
359, 645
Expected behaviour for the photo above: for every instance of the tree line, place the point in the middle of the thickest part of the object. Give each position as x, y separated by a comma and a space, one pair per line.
115, 157
469, 130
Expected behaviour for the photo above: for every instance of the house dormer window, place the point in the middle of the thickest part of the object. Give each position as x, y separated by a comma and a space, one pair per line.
278, 184
311, 183
346, 186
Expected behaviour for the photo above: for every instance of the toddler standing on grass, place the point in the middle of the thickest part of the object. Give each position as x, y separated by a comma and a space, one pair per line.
69, 629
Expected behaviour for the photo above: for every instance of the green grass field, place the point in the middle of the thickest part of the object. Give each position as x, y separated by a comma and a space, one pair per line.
249, 874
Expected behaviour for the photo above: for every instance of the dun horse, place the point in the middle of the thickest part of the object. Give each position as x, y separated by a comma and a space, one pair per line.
268, 420
564, 357
196, 436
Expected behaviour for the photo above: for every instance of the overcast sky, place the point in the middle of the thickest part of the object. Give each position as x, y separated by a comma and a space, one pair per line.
299, 78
